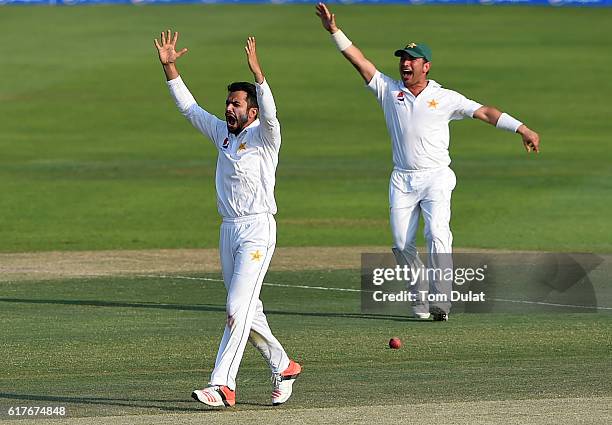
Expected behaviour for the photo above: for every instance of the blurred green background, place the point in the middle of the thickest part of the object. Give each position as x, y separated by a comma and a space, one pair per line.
94, 154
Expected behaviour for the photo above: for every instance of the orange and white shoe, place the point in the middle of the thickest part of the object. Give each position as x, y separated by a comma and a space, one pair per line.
215, 396
282, 383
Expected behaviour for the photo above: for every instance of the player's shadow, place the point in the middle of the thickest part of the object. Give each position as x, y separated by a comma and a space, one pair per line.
167, 405
207, 307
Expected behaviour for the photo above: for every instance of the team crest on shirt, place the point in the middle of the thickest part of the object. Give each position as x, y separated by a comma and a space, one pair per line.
225, 143
256, 256
433, 104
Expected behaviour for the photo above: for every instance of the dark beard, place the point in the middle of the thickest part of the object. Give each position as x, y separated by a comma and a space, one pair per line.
241, 121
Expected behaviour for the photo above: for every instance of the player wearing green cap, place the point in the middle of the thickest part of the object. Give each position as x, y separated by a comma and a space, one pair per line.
417, 111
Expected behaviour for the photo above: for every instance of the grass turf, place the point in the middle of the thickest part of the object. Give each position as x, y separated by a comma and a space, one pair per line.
95, 156
130, 345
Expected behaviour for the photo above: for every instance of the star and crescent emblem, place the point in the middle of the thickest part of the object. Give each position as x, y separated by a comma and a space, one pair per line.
410, 46
242, 147
432, 104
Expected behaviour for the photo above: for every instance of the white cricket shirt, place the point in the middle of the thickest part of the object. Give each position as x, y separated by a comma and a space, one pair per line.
418, 126
246, 163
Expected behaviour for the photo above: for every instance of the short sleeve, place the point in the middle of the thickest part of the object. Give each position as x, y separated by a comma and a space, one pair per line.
464, 107
379, 85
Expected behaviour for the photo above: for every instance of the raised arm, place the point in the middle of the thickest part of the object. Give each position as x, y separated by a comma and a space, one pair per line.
199, 118
251, 52
267, 108
493, 116
365, 68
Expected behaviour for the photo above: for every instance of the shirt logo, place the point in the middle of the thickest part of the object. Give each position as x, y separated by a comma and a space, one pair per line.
433, 104
400, 96
242, 147
225, 143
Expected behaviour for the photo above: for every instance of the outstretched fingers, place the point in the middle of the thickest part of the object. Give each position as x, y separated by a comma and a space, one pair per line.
181, 52
323, 12
251, 46
328, 19
166, 47
253, 62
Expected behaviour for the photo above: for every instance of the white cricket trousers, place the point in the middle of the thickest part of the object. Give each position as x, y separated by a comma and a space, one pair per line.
246, 246
426, 192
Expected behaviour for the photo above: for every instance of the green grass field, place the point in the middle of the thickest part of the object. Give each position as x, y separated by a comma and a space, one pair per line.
95, 156
133, 346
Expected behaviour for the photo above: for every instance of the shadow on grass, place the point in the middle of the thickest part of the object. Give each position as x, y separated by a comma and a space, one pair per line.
207, 307
137, 403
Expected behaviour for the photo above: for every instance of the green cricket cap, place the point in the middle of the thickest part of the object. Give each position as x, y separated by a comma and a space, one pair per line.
416, 51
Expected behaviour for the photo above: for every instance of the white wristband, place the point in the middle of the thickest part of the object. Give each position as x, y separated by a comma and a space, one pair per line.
506, 122
341, 40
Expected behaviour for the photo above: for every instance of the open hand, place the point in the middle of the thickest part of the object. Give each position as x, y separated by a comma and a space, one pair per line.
167, 48
251, 52
328, 19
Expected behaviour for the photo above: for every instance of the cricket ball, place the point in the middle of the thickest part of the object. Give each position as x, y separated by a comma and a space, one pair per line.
395, 343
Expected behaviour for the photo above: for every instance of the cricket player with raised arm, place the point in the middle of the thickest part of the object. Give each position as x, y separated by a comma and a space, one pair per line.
417, 112
248, 142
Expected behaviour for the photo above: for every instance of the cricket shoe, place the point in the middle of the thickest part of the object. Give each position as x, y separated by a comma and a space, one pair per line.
215, 396
282, 383
438, 314
421, 316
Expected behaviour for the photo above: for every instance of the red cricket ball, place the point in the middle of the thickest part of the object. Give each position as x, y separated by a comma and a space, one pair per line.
395, 343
